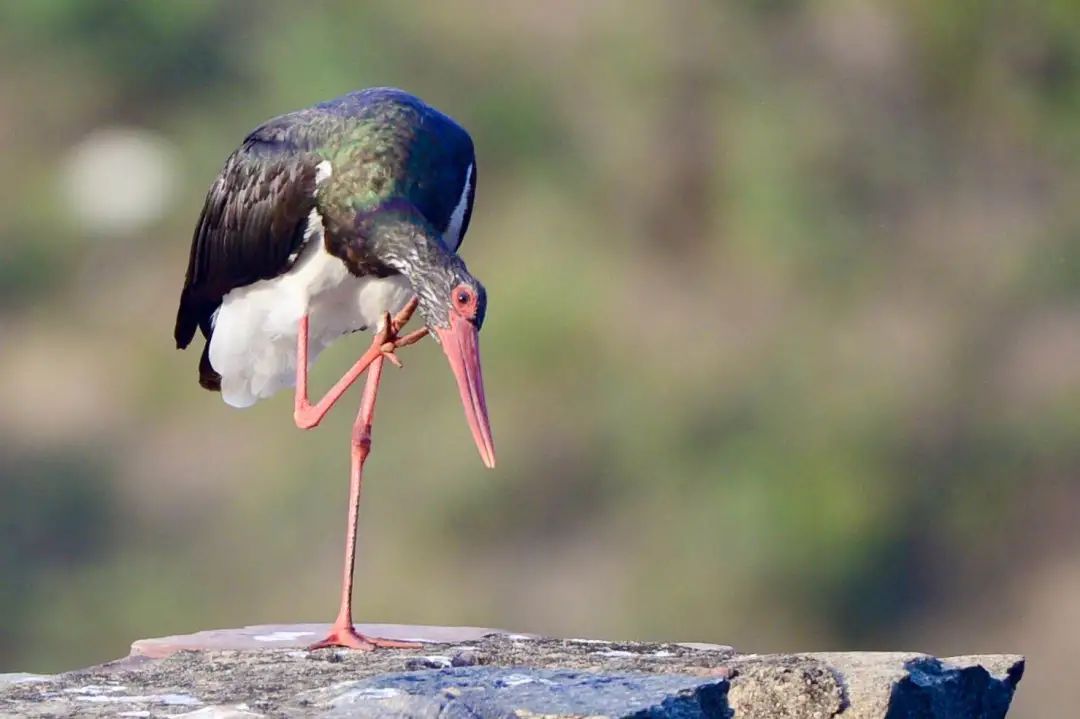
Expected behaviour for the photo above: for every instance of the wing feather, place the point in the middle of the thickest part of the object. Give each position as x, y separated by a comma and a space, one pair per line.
251, 226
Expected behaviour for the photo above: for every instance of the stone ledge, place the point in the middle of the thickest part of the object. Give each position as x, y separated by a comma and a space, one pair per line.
475, 672
299, 636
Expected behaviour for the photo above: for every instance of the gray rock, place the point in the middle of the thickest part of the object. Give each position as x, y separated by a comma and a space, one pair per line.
471, 692
782, 686
20, 678
218, 674
239, 711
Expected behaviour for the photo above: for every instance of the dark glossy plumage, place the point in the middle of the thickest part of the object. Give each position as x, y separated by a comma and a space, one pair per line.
383, 146
251, 227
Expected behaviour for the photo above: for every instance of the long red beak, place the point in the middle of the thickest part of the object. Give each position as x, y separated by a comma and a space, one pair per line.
461, 344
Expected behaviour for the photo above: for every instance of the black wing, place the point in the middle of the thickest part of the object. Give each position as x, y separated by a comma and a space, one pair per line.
251, 228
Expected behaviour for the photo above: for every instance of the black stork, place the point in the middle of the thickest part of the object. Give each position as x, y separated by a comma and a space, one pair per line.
342, 217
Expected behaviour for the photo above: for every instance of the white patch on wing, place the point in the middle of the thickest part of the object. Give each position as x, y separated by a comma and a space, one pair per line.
322, 171
457, 217
314, 228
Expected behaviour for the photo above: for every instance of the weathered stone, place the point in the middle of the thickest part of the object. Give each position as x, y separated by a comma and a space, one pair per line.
472, 692
922, 686
777, 686
238, 711
299, 636
506, 675
19, 678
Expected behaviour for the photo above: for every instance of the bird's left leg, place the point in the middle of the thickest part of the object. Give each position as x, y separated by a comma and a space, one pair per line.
343, 633
307, 415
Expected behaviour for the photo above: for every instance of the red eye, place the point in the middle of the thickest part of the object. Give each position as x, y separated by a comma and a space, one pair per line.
465, 300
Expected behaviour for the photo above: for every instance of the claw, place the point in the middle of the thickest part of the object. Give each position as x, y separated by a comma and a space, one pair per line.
348, 637
404, 315
387, 338
383, 335
411, 338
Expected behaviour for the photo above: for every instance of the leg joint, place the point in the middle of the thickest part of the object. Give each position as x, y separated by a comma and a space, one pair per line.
306, 417
361, 437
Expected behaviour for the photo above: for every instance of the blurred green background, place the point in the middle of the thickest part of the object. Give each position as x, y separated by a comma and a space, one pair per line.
783, 347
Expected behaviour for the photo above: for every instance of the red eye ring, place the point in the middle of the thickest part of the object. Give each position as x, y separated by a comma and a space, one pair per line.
465, 300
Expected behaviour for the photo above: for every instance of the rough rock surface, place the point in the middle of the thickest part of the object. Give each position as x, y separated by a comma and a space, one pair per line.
479, 673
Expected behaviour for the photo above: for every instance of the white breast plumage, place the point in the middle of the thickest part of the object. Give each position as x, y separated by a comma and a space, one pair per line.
253, 346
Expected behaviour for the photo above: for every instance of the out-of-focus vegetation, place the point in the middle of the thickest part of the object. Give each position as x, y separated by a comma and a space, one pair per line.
783, 347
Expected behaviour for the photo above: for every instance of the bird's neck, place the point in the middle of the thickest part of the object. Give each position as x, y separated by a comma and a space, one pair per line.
400, 238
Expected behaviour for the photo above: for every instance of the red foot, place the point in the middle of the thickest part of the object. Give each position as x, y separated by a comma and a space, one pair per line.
348, 637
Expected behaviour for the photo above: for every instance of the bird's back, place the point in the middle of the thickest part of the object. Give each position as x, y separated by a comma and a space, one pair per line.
384, 144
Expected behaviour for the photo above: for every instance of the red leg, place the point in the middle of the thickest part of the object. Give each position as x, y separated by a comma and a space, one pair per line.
307, 415
343, 634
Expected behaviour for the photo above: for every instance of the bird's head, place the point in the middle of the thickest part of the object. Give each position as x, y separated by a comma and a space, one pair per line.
449, 295
453, 304
450, 300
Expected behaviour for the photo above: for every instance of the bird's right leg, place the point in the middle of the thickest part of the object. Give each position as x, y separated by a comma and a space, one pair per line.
342, 632
307, 415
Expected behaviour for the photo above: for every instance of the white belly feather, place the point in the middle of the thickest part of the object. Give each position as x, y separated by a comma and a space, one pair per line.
253, 346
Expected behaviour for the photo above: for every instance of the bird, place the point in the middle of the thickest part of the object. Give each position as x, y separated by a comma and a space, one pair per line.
342, 217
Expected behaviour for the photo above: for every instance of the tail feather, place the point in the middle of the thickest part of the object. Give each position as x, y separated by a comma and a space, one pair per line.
208, 376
